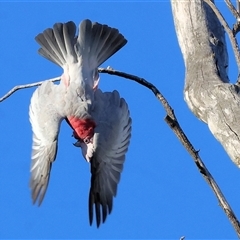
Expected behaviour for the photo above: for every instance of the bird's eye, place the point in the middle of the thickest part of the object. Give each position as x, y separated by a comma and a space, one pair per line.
86, 140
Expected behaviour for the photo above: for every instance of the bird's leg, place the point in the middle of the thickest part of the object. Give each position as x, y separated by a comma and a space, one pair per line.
96, 79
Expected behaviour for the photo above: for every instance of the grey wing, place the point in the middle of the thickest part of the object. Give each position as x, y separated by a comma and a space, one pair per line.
45, 120
110, 144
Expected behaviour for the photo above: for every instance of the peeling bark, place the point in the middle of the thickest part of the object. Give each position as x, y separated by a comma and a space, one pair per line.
207, 91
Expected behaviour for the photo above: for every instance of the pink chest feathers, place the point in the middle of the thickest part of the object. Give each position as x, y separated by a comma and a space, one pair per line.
83, 128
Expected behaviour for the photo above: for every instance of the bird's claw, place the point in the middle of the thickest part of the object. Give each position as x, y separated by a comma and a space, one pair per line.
77, 144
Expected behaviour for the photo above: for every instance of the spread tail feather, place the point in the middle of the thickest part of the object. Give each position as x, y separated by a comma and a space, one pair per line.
57, 43
93, 46
96, 43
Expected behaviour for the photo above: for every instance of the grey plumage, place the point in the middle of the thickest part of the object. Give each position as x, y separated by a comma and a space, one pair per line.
111, 141
95, 43
78, 96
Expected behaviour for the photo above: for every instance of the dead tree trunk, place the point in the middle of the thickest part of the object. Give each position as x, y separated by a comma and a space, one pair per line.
208, 92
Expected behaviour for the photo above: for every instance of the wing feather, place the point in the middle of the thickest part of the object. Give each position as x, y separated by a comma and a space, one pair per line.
45, 119
110, 143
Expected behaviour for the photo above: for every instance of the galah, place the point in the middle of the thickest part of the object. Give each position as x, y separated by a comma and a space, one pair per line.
100, 120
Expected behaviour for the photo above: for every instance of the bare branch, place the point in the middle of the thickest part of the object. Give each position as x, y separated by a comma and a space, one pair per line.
235, 12
228, 30
172, 122
142, 82
16, 88
232, 9
238, 7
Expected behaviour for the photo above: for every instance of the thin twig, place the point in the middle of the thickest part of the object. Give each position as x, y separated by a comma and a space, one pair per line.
238, 7
16, 88
232, 9
228, 30
142, 82
235, 12
175, 126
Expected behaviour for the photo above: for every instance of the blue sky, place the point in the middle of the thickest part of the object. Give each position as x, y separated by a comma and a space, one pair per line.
161, 193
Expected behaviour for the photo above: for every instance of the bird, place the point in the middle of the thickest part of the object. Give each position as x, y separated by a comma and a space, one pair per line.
100, 121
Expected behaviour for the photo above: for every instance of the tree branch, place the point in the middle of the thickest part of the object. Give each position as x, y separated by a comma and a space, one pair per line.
173, 123
207, 90
232, 9
231, 33
16, 88
238, 6
235, 12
